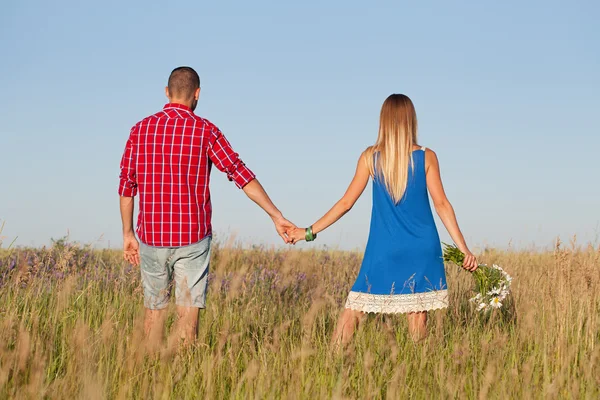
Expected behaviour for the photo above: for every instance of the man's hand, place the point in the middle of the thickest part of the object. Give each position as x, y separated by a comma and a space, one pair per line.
131, 249
283, 226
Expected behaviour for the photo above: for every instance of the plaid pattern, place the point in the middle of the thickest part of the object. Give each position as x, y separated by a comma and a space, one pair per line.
168, 159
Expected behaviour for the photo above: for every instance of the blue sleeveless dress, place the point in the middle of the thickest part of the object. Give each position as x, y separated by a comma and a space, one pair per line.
402, 270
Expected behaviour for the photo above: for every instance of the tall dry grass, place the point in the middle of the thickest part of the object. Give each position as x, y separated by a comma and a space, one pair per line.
71, 327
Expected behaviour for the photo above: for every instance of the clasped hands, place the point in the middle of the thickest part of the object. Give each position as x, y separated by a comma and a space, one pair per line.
288, 231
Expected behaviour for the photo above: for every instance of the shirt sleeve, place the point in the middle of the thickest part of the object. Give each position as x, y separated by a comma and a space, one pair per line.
228, 161
128, 180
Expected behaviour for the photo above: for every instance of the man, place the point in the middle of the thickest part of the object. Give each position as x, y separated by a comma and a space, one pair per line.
168, 159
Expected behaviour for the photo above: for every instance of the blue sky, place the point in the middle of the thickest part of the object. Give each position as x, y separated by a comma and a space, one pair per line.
506, 93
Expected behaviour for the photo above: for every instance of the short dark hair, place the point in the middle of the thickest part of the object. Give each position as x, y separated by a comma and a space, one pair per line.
183, 82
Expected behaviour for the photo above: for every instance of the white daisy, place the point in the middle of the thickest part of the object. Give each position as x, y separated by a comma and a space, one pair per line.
475, 299
495, 303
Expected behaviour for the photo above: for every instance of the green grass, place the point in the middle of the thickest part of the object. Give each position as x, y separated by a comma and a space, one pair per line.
71, 327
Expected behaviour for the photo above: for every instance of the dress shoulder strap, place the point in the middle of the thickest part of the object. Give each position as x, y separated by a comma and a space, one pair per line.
424, 157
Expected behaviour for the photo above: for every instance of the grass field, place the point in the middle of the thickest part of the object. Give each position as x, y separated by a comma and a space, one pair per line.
71, 327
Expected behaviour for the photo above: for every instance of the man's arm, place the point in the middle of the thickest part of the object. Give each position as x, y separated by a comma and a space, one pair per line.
257, 194
131, 246
127, 190
228, 161
127, 205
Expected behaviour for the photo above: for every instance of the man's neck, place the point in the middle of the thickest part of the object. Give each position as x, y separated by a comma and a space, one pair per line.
188, 104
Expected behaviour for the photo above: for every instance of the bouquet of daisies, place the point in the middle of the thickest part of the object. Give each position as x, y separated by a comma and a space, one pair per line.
492, 284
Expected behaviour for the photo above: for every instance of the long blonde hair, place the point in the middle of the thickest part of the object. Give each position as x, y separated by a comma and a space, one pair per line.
397, 135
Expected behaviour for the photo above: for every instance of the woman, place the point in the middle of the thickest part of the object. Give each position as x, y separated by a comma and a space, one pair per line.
402, 270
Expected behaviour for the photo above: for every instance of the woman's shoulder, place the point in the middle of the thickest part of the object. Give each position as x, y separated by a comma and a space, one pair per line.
428, 151
369, 154
431, 158
369, 150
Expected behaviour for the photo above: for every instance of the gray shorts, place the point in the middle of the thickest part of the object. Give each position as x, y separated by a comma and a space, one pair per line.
186, 265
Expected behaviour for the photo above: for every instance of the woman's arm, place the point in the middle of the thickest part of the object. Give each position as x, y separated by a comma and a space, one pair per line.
345, 204
444, 209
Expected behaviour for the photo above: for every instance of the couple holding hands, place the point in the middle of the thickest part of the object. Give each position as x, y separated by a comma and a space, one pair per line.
167, 161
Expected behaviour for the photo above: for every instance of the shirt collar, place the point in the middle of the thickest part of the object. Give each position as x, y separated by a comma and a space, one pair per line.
178, 106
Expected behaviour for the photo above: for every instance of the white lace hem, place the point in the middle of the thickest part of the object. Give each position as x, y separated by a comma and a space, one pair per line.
397, 303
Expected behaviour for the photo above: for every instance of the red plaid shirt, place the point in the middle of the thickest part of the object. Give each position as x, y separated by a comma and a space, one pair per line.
167, 159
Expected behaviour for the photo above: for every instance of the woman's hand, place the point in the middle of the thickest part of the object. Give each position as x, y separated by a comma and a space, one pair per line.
296, 234
470, 261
